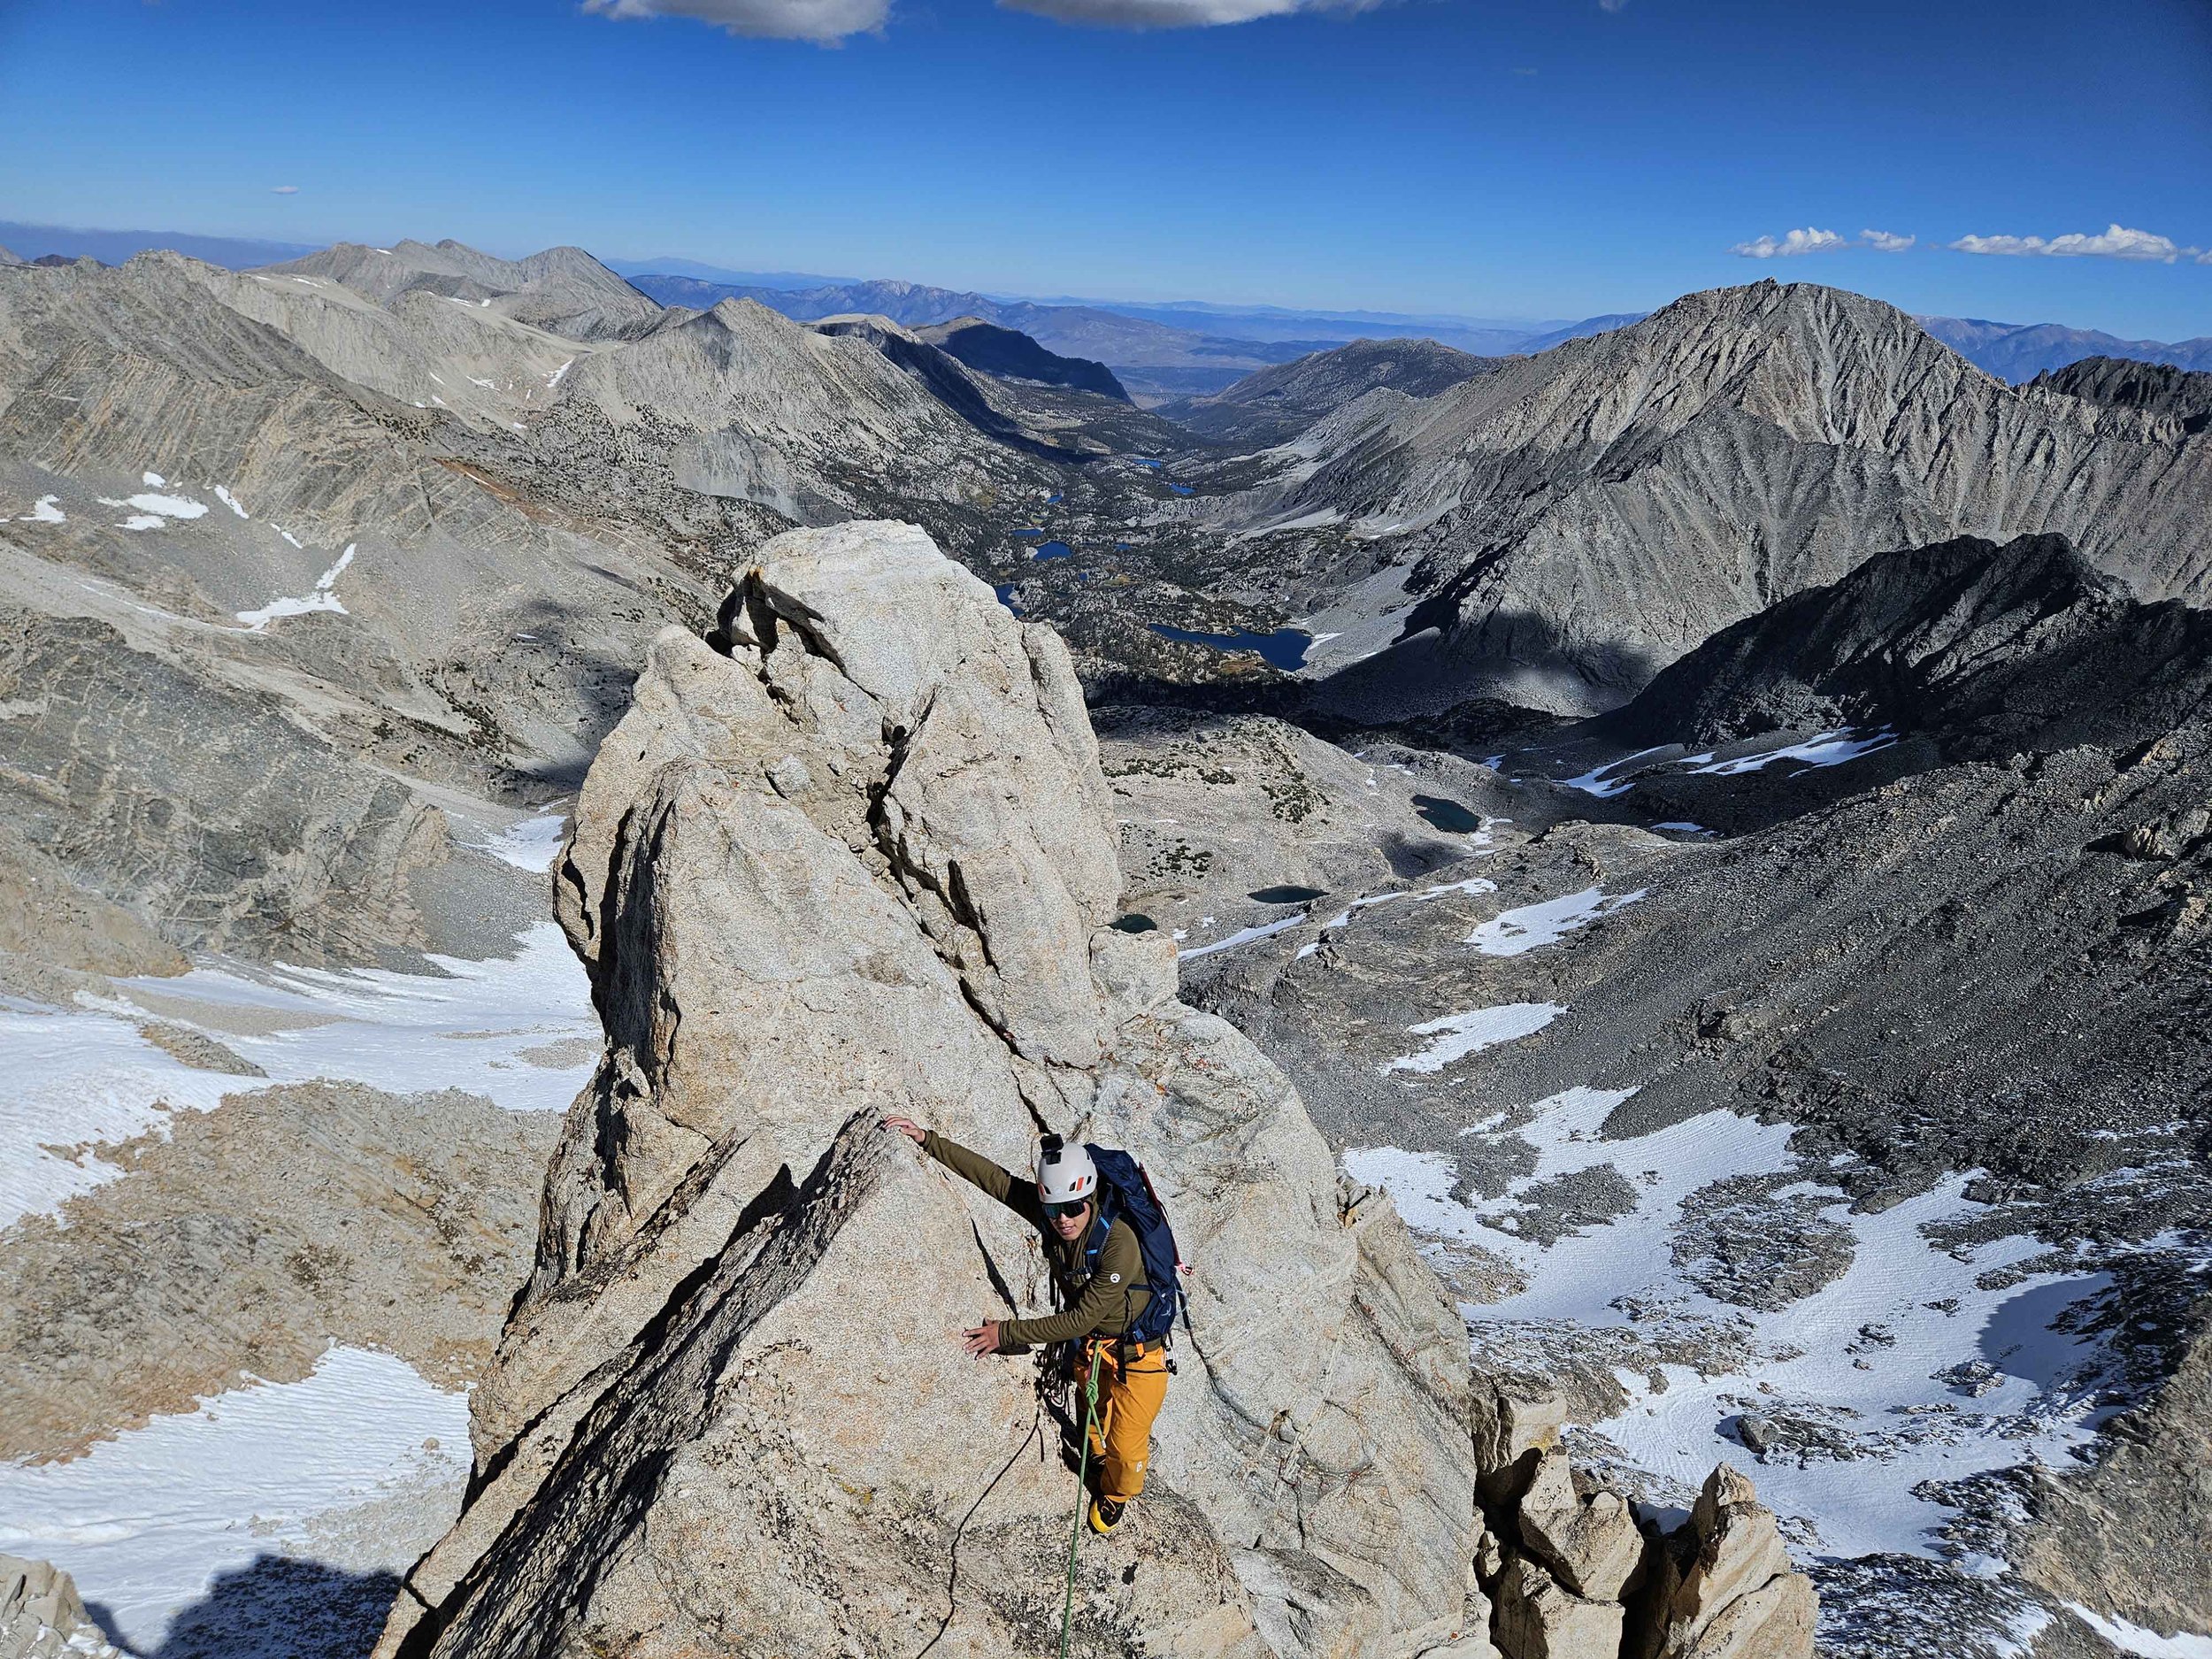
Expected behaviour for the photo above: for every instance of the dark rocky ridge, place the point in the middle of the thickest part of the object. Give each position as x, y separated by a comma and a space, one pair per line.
1012, 355
2122, 383
1999, 648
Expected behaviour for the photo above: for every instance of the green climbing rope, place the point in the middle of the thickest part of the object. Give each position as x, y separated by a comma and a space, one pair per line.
1082, 1498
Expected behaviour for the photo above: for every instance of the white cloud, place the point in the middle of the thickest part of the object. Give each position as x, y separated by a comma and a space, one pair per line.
284, 189
824, 22
1797, 242
829, 21
1612, 5
1176, 14
1885, 242
2116, 242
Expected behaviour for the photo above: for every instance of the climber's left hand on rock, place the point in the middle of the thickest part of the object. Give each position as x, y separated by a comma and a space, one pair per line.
982, 1341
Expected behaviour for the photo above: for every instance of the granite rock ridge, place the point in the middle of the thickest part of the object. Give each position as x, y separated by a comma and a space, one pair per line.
849, 855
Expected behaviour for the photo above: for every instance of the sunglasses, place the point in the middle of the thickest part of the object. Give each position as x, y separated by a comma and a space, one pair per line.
1067, 1212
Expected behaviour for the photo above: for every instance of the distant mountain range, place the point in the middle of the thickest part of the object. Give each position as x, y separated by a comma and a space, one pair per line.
2020, 351
668, 265
112, 247
1160, 350
1153, 361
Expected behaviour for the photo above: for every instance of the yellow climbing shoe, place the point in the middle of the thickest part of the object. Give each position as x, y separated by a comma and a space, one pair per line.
1106, 1515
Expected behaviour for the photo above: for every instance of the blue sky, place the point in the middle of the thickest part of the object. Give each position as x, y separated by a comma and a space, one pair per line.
1496, 157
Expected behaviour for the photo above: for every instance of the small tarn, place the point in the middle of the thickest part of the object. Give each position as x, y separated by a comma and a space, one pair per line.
1284, 649
1447, 815
1135, 923
1283, 896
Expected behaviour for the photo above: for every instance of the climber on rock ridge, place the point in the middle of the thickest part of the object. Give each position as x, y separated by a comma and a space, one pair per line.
1098, 1267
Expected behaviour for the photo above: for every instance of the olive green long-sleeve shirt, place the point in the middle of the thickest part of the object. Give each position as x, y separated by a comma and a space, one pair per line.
1101, 1302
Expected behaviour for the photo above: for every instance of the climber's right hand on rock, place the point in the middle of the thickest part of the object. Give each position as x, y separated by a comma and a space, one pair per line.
908, 1127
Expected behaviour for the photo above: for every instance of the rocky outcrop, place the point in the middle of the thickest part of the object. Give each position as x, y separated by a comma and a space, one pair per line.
1574, 1572
850, 856
1723, 1587
41, 1615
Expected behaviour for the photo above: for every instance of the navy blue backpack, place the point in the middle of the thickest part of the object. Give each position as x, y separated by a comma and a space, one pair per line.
1128, 1195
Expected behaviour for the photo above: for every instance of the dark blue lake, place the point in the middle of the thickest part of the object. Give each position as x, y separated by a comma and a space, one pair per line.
1182, 489
1138, 460
1029, 530
1005, 591
1057, 495
1053, 551
1285, 648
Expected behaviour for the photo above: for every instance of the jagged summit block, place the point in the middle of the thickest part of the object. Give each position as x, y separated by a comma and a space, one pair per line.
853, 856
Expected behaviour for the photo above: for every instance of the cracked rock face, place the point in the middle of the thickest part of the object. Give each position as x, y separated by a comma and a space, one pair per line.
41, 1615
853, 856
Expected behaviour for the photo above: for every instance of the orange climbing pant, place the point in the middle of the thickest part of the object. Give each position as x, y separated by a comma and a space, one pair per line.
1121, 1435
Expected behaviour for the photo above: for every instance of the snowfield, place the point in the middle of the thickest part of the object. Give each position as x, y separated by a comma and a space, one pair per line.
359, 1467
351, 1473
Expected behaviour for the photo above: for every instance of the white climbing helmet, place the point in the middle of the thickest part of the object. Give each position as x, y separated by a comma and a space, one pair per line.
1065, 1174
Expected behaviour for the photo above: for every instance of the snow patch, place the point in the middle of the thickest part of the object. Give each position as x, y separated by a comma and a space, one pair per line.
1828, 749
44, 510
146, 1521
407, 1033
154, 511
1517, 932
168, 506
83, 1076
553, 379
75, 1078
530, 843
1919, 1365
231, 502
323, 598
1244, 936
2133, 1638
1455, 1036
1599, 781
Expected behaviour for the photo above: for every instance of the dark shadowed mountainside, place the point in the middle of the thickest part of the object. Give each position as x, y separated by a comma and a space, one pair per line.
1998, 647
2122, 383
1012, 355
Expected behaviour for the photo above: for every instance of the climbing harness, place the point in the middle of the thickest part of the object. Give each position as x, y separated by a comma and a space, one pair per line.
1082, 1498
